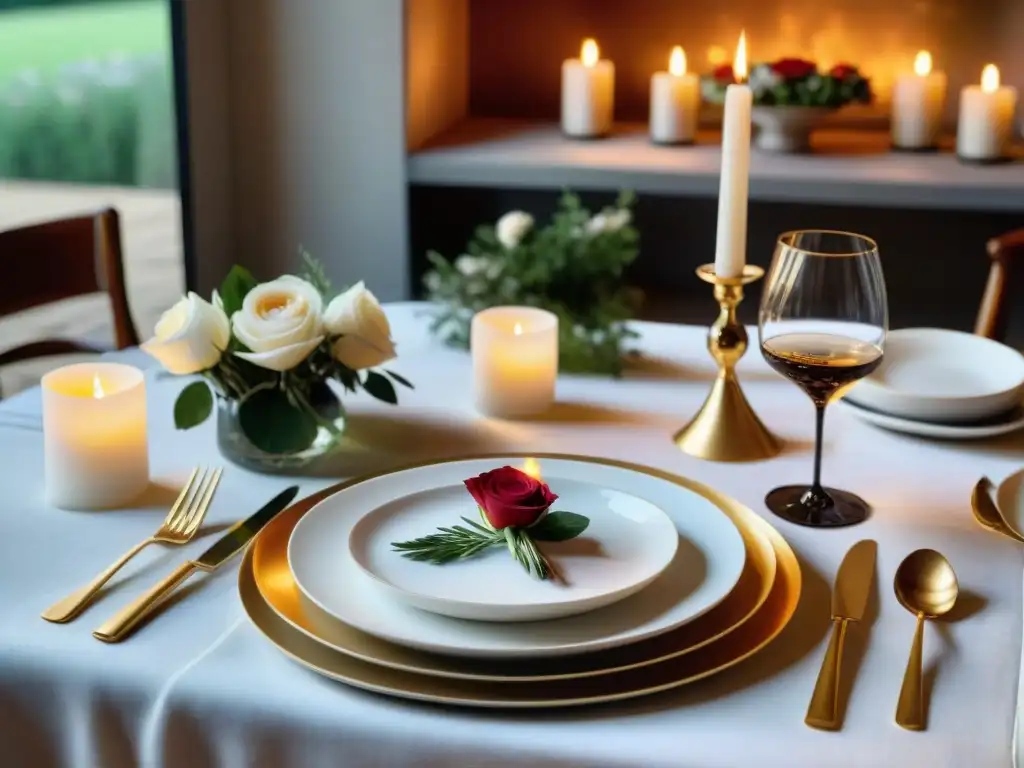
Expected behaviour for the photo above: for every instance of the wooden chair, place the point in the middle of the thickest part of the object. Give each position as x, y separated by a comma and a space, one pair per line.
61, 259
995, 311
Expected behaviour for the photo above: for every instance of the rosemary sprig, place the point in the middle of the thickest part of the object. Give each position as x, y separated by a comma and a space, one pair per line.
460, 542
455, 543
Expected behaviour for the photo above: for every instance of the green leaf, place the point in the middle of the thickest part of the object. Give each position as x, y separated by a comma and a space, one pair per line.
346, 377
400, 379
315, 275
380, 387
274, 425
235, 287
559, 526
193, 405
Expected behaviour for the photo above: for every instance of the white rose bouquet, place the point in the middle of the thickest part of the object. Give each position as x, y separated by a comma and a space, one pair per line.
269, 351
573, 266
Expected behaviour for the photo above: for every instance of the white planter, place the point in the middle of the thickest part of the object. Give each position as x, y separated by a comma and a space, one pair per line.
786, 129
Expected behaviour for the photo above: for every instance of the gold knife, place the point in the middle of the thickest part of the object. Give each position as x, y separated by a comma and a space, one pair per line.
119, 626
849, 601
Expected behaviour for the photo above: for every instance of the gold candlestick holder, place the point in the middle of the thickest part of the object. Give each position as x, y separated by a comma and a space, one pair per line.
726, 427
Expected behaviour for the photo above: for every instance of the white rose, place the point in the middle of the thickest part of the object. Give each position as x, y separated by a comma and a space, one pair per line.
608, 221
280, 322
597, 225
618, 219
512, 228
365, 334
190, 336
470, 265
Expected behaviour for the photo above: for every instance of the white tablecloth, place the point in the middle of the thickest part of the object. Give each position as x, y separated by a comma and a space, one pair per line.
200, 687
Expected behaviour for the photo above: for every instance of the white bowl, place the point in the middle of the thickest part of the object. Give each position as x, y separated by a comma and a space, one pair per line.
628, 544
929, 374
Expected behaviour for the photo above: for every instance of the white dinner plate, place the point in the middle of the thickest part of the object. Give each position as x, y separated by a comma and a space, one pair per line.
1001, 425
1010, 498
628, 543
709, 558
932, 374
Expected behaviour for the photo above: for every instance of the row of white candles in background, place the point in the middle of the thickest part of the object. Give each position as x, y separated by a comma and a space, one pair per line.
588, 98
985, 126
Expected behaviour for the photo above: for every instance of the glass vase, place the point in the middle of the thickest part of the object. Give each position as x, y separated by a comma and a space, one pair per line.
236, 447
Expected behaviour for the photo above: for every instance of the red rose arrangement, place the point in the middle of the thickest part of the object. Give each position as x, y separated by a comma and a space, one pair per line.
794, 69
514, 512
792, 82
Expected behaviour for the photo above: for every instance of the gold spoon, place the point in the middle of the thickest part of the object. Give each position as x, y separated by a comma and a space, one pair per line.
926, 586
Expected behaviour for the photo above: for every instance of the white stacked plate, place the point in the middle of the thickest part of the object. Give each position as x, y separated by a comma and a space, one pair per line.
654, 557
943, 384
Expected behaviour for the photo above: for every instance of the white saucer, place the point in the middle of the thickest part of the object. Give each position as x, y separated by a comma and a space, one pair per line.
931, 374
628, 543
706, 566
1000, 425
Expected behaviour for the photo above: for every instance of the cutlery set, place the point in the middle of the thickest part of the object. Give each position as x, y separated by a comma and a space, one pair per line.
925, 585
178, 528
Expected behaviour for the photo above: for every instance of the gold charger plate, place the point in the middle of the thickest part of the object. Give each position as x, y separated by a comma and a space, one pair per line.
279, 591
760, 630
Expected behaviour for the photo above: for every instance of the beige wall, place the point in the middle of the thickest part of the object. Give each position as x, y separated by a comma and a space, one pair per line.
436, 67
298, 119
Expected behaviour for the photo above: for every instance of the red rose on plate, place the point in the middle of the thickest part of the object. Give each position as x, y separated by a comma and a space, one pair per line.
794, 69
724, 73
843, 71
510, 497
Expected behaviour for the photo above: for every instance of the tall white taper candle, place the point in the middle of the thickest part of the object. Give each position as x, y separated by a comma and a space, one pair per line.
731, 242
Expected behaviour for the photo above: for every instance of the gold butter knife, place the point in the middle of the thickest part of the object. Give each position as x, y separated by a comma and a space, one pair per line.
849, 601
235, 540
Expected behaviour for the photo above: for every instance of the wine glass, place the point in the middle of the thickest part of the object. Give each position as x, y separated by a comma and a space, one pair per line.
822, 325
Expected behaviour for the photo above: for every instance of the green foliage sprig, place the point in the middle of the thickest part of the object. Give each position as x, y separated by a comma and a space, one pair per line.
573, 267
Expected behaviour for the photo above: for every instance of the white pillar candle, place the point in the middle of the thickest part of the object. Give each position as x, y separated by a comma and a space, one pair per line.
588, 94
94, 435
985, 129
918, 101
731, 241
515, 360
675, 102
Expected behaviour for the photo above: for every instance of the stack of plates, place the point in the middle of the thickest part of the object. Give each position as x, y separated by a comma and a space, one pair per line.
671, 582
943, 384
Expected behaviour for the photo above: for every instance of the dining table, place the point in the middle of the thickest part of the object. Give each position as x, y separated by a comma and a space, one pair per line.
198, 685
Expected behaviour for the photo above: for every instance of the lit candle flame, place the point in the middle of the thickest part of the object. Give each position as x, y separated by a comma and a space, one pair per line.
739, 64
922, 63
517, 329
532, 468
677, 61
990, 78
589, 53
97, 387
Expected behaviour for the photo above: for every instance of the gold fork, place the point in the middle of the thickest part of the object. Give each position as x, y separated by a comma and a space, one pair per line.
178, 528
